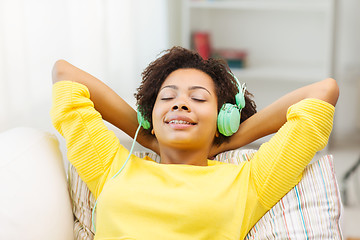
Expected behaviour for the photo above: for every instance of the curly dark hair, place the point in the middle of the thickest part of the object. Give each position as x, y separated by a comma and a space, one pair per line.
154, 75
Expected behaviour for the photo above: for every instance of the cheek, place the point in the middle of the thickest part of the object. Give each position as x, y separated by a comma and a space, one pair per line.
215, 117
210, 117
157, 114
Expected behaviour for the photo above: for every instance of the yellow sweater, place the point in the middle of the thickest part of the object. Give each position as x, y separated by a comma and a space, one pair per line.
148, 200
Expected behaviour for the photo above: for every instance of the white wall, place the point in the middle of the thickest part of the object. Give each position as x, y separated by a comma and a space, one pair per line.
347, 127
113, 40
347, 117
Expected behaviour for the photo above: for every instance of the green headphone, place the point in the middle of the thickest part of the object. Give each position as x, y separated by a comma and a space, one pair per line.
142, 121
228, 121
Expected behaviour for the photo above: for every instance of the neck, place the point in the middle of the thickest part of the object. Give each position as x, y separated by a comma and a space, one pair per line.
184, 156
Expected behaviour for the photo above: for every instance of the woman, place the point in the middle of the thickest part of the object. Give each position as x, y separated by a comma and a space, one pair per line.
186, 196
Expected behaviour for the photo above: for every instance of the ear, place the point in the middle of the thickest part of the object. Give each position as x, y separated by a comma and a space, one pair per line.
152, 132
217, 134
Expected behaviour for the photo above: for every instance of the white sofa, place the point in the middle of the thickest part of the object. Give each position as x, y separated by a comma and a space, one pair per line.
35, 202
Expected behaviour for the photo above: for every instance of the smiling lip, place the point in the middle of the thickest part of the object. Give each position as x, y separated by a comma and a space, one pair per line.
179, 122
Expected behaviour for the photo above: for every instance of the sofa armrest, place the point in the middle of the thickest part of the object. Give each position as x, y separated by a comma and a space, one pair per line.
34, 196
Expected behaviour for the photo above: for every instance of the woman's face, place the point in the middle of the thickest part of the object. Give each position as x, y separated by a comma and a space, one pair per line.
185, 110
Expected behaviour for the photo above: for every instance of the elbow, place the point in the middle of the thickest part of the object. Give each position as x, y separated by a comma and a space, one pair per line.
330, 91
59, 70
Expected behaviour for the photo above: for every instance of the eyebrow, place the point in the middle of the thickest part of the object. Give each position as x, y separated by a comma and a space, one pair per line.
190, 88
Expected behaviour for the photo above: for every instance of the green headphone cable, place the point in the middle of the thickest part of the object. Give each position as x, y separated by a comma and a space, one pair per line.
123, 166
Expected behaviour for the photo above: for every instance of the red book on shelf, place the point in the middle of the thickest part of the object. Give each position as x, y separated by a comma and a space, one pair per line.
202, 44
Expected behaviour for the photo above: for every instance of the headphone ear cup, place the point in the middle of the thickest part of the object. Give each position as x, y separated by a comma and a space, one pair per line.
228, 119
220, 120
142, 121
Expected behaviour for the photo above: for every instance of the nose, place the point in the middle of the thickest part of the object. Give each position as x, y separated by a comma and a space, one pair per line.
180, 106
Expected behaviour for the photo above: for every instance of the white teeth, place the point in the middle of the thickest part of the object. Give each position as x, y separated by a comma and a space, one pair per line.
179, 122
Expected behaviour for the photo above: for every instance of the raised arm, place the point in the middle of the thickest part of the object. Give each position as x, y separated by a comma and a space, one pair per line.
110, 105
270, 119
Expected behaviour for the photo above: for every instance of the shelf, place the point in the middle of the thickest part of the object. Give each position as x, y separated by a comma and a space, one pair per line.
288, 74
295, 5
271, 31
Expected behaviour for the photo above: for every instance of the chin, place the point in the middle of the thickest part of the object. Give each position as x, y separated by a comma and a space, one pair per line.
185, 143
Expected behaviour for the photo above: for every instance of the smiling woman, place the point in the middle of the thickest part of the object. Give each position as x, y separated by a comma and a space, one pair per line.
224, 84
186, 195
191, 122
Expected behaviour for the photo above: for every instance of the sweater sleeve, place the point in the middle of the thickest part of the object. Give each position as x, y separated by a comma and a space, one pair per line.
91, 147
278, 165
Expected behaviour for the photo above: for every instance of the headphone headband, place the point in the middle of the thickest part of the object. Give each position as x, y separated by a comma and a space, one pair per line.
240, 97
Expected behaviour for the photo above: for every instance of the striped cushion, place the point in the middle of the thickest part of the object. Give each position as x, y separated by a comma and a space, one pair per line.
311, 210
82, 204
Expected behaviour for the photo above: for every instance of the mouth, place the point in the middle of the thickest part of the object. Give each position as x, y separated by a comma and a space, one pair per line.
180, 122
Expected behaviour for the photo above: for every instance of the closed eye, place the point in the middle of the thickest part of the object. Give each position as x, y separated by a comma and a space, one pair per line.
166, 98
198, 99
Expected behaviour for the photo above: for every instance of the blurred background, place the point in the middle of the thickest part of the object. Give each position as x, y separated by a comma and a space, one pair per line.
274, 46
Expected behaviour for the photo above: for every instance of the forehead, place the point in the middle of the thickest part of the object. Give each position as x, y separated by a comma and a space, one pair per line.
184, 78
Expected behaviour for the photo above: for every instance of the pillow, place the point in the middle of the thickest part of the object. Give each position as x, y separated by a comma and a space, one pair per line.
311, 210
34, 201
82, 204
